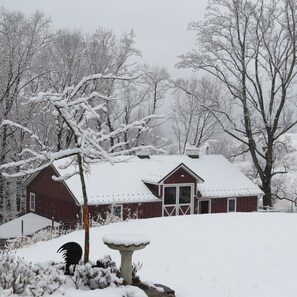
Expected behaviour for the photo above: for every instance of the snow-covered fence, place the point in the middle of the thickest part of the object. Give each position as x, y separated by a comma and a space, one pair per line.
277, 209
268, 209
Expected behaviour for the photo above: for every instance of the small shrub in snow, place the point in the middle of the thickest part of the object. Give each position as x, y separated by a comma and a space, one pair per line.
110, 218
22, 278
97, 276
19, 277
15, 273
135, 269
48, 279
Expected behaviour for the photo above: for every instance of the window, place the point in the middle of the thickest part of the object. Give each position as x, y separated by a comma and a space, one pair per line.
117, 211
32, 201
204, 206
231, 205
184, 194
170, 195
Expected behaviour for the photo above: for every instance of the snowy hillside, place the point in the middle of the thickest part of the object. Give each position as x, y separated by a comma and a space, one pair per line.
234, 255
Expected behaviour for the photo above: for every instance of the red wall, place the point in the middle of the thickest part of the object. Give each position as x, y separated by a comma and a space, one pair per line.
247, 204
243, 204
218, 205
176, 178
130, 210
52, 198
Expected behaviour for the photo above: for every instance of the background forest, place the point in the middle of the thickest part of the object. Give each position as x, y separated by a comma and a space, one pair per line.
241, 103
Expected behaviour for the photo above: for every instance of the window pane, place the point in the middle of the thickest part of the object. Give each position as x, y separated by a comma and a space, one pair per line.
204, 206
231, 205
184, 195
170, 195
117, 211
32, 201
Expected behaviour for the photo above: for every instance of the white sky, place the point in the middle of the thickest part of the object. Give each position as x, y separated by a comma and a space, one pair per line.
160, 25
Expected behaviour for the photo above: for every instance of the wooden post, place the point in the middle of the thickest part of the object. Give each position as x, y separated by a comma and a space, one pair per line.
53, 225
22, 227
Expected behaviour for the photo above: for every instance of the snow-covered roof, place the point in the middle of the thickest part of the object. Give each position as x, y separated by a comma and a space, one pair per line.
107, 183
31, 224
124, 181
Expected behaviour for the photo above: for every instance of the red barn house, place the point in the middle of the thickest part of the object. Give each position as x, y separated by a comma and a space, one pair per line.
155, 186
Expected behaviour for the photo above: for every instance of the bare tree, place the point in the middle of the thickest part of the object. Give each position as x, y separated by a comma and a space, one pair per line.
76, 107
192, 123
142, 97
250, 46
21, 39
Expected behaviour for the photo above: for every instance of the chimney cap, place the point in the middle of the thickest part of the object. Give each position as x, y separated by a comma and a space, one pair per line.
192, 152
144, 153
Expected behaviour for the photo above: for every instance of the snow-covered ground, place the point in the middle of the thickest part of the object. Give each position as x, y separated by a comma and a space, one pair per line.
232, 255
31, 224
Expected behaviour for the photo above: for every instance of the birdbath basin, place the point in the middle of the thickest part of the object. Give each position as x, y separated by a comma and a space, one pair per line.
126, 244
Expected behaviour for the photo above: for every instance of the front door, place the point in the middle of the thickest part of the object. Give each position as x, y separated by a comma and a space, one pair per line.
204, 206
178, 200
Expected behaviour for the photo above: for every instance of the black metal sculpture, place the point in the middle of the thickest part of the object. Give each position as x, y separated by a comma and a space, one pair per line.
71, 252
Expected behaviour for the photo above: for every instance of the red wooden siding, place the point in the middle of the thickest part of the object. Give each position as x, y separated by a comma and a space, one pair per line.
130, 210
243, 204
219, 205
52, 199
180, 176
247, 204
143, 210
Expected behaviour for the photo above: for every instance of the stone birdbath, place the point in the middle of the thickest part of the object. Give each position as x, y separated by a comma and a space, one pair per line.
126, 244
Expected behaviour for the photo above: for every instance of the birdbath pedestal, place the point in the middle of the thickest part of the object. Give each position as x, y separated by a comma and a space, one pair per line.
126, 244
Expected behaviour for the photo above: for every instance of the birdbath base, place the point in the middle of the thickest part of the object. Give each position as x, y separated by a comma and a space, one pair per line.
126, 244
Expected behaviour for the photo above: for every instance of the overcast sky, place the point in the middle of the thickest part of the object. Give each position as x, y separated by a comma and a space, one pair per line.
160, 25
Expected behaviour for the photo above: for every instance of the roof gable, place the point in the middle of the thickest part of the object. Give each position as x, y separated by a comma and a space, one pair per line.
186, 168
32, 178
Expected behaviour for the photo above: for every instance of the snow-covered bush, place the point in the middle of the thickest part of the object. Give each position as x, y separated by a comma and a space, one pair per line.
15, 273
101, 274
19, 277
135, 269
47, 279
97, 276
22, 278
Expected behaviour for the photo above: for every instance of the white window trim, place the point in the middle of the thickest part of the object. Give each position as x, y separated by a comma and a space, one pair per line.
199, 205
117, 205
235, 204
32, 198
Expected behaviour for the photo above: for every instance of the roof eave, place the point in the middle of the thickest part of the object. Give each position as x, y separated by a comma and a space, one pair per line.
232, 195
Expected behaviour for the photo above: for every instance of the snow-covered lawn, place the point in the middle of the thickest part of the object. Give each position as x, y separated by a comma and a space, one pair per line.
232, 255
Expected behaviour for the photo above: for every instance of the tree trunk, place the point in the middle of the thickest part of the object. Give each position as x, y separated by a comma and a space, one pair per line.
267, 198
85, 209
